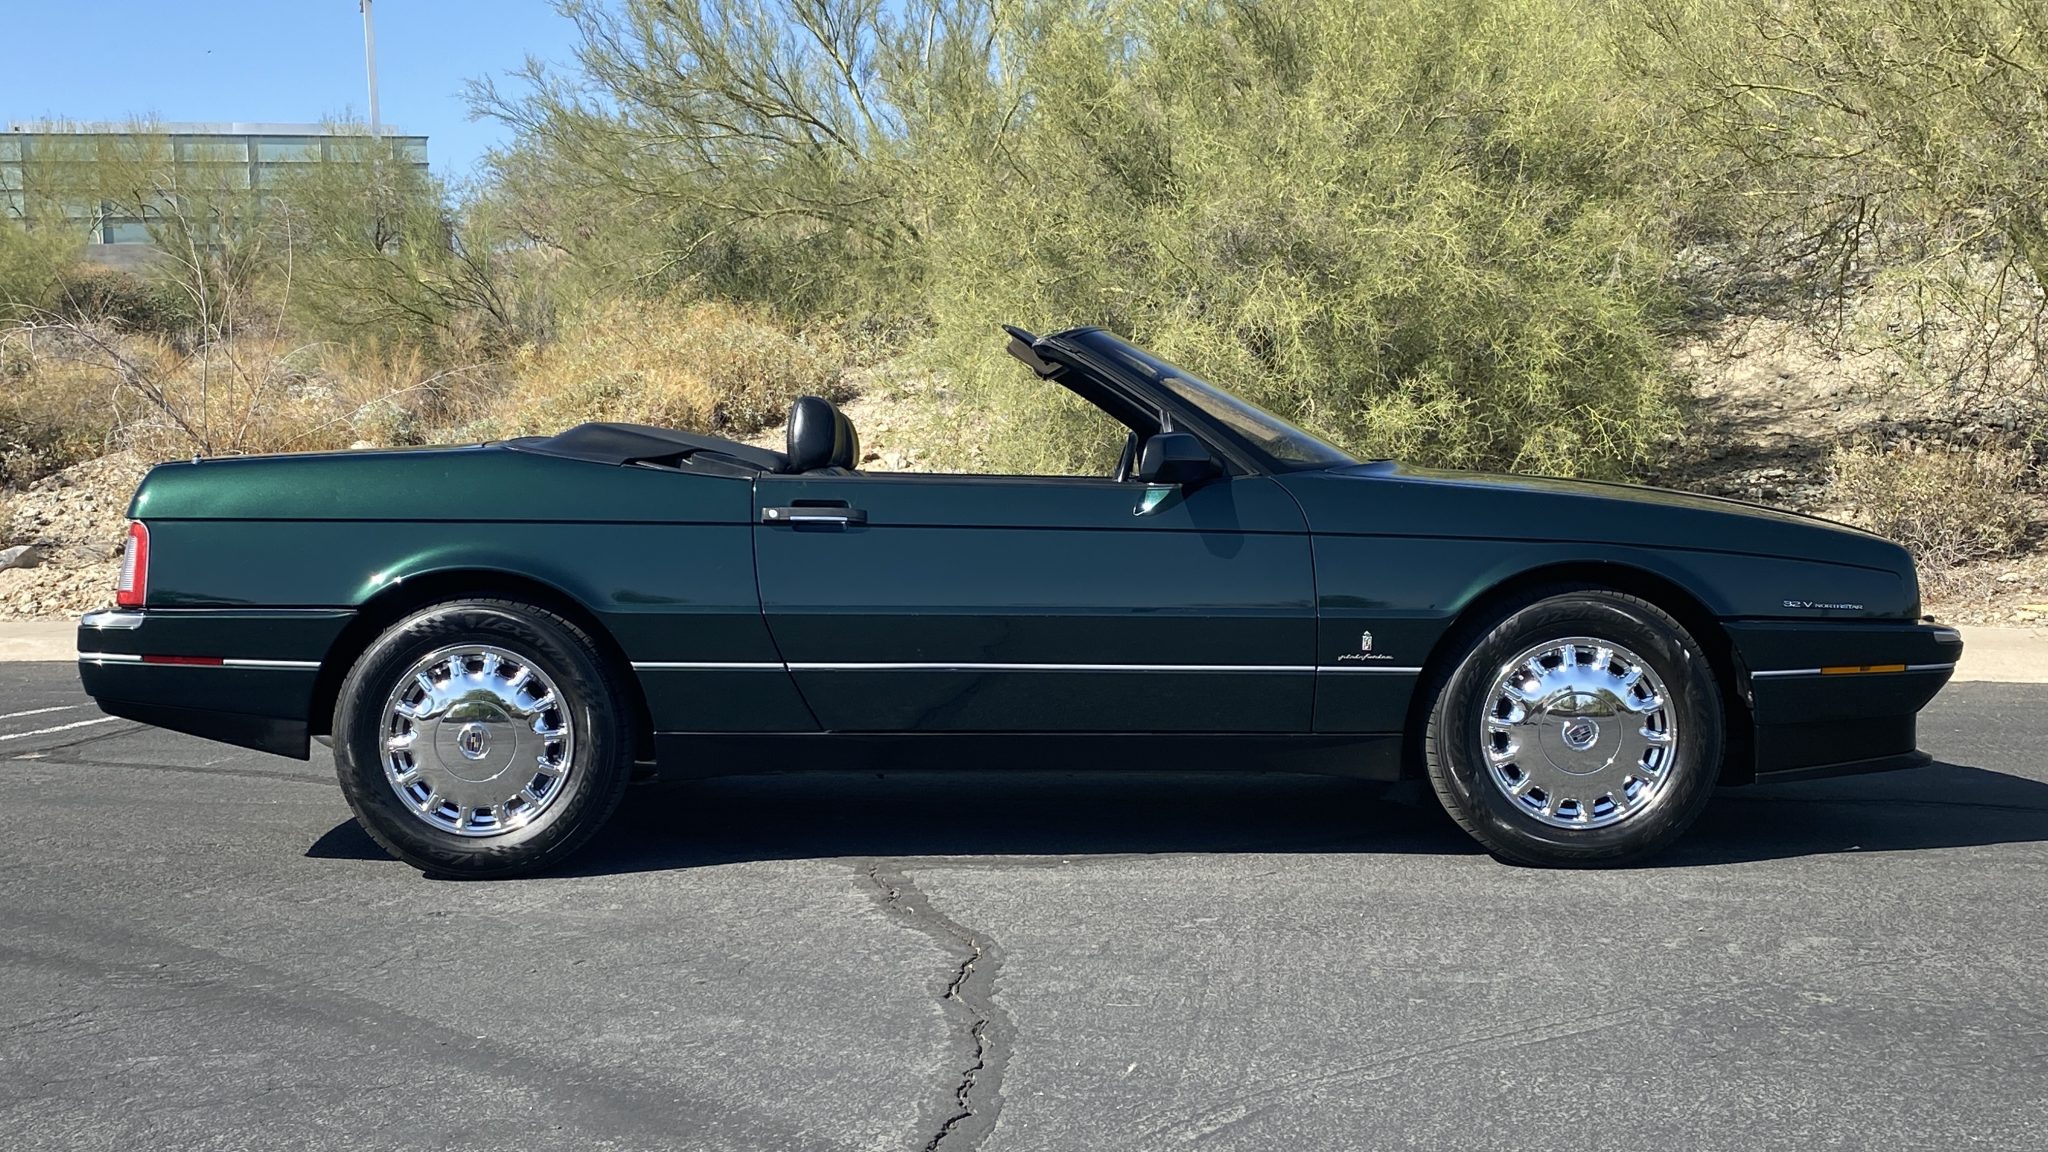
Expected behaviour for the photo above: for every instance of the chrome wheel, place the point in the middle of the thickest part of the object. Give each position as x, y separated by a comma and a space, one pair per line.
477, 740
1580, 733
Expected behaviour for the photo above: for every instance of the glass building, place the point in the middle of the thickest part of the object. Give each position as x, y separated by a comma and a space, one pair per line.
47, 167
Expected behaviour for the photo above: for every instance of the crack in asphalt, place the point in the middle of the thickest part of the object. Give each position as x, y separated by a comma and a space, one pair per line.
976, 1096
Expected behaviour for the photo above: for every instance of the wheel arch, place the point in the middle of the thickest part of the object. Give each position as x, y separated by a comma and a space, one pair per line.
402, 597
1680, 602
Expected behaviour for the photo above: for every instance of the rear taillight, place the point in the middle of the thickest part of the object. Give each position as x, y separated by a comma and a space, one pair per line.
134, 567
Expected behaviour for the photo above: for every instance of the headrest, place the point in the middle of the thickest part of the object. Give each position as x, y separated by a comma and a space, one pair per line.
820, 436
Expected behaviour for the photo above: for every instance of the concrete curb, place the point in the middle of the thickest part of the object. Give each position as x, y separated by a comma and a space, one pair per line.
22, 640
2011, 655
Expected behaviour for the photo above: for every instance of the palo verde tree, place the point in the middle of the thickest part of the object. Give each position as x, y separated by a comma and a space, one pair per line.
1418, 227
378, 250
1885, 160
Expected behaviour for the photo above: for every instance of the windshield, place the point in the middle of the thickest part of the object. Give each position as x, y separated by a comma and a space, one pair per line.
1287, 448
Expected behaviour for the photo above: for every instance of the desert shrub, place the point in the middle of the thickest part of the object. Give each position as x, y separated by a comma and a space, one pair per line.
701, 367
32, 266
1879, 162
92, 386
1424, 229
132, 302
1947, 505
52, 413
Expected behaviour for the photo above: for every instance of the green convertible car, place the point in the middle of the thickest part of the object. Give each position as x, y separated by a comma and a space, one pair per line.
493, 636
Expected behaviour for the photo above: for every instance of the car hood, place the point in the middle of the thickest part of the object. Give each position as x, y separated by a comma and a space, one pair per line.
1394, 499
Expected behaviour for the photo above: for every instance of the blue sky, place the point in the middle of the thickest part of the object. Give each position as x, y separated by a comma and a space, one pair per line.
272, 60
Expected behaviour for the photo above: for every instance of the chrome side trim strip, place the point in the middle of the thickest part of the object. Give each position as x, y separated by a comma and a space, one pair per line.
110, 619
970, 666
1775, 673
705, 666
237, 662
948, 666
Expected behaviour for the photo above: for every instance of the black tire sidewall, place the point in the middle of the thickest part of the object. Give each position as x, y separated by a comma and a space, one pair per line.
599, 767
1458, 761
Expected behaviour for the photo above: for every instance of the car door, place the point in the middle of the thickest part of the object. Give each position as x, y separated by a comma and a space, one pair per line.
905, 602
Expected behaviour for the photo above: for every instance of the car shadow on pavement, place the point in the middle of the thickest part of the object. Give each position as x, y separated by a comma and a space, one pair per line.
1094, 812
1003, 812
1940, 806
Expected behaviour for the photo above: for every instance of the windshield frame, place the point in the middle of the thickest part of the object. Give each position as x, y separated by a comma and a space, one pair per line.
1247, 428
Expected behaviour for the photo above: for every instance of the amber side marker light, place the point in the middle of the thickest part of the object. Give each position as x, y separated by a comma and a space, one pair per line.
1857, 669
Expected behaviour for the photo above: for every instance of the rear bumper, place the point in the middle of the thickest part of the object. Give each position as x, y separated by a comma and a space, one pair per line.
241, 676
1833, 698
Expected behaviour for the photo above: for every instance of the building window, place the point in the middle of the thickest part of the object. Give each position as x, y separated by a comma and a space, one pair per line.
288, 149
126, 231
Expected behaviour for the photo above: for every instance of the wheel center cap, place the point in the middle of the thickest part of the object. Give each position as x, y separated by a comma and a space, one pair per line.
473, 741
1580, 733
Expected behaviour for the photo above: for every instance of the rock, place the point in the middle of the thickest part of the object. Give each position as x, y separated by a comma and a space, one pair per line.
20, 556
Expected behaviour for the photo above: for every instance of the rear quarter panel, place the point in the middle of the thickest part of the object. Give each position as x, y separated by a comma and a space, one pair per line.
662, 560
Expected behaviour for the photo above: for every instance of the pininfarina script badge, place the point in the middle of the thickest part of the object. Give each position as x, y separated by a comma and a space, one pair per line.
1365, 651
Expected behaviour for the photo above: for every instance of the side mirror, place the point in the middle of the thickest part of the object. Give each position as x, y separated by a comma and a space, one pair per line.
1176, 458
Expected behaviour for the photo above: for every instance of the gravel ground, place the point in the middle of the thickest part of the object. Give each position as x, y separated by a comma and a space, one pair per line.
76, 520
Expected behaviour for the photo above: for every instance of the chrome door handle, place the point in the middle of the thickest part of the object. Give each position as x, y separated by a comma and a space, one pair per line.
804, 514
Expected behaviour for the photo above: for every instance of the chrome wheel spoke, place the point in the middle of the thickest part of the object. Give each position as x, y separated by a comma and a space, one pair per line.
1579, 732
478, 741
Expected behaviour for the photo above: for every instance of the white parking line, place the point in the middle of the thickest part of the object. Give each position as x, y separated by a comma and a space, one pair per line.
60, 728
40, 711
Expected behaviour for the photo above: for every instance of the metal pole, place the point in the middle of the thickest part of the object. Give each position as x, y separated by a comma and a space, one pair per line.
370, 62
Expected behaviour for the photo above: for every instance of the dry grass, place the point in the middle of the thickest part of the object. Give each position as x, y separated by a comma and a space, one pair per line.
71, 391
75, 391
701, 367
1948, 505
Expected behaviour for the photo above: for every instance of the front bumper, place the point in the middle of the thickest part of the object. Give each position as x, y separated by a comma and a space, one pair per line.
240, 676
1831, 698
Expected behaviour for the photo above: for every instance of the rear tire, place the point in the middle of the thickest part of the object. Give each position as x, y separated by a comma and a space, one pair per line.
1580, 727
480, 739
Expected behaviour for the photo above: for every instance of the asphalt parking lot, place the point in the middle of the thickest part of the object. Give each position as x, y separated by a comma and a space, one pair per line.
200, 949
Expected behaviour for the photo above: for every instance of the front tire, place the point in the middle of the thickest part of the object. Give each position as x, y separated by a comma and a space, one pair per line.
481, 739
1580, 727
